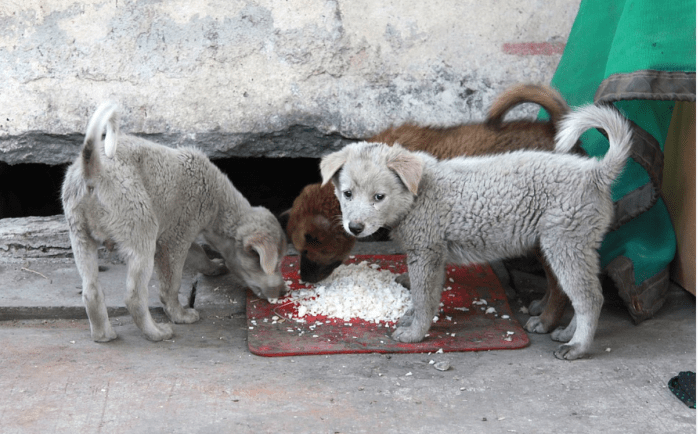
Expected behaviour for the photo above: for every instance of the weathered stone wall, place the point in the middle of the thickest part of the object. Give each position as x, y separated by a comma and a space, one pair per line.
262, 77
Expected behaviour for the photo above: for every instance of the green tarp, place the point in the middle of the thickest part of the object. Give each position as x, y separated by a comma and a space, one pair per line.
639, 56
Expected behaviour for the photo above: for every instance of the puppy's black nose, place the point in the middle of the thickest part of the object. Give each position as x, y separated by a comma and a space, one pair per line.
356, 228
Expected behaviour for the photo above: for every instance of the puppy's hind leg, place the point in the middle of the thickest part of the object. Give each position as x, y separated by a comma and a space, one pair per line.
537, 306
139, 270
565, 334
85, 253
551, 308
169, 260
198, 260
577, 271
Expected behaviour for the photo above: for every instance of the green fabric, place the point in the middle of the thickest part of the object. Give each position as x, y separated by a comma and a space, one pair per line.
617, 36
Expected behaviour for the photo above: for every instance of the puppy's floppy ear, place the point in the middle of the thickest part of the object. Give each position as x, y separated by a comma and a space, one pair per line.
408, 166
266, 248
331, 164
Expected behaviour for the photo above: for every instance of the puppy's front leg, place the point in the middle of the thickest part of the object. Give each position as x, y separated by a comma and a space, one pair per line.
426, 270
169, 260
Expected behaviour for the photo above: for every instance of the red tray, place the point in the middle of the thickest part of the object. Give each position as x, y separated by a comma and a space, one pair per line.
465, 330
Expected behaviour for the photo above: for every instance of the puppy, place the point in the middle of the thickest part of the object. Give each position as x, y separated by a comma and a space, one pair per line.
313, 222
151, 202
470, 210
491, 137
314, 227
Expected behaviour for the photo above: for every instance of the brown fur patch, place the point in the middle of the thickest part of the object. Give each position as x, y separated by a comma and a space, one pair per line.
471, 139
315, 229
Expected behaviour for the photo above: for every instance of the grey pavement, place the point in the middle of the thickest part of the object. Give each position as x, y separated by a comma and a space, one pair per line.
55, 379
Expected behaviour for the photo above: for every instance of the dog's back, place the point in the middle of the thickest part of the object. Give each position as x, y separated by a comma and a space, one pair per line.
469, 140
491, 137
170, 181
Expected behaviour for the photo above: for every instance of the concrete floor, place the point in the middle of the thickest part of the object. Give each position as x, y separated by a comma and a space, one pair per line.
57, 380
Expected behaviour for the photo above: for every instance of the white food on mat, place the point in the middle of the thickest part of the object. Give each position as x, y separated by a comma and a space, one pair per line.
354, 291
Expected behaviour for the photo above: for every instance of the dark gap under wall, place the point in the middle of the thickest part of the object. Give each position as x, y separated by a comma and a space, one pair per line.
271, 182
35, 189
30, 190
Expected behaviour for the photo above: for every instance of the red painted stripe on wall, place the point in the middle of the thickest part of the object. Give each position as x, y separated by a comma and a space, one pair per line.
533, 48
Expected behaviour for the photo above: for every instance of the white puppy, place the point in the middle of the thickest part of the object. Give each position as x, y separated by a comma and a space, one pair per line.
478, 209
152, 201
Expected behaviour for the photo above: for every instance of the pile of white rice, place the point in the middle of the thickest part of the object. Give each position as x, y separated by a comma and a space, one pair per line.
354, 291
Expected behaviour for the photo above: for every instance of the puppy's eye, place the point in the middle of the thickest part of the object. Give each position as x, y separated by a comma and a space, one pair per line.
347, 194
379, 197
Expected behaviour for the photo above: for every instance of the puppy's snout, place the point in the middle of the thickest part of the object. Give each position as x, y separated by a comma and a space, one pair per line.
356, 227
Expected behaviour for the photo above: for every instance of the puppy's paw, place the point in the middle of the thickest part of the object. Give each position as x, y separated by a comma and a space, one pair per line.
536, 307
562, 334
569, 352
403, 280
408, 334
160, 332
186, 316
407, 319
104, 335
216, 267
535, 325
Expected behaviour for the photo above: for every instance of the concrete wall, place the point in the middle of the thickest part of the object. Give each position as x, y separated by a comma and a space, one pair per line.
262, 77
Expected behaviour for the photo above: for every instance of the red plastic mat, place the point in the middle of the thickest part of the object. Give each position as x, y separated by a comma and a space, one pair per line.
475, 317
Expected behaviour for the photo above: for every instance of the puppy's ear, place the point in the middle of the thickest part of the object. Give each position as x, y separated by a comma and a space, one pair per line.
331, 164
284, 219
266, 248
409, 167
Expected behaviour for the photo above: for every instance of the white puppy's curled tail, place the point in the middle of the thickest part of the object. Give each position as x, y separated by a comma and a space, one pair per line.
105, 119
615, 125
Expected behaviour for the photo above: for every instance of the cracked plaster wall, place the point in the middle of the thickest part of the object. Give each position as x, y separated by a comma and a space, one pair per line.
295, 78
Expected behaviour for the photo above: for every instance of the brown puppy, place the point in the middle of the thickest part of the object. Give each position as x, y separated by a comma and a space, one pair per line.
492, 137
314, 225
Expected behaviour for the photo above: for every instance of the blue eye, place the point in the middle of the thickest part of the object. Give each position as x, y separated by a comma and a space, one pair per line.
379, 197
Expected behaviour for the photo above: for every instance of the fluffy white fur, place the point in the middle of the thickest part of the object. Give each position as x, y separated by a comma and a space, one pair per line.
477, 209
152, 201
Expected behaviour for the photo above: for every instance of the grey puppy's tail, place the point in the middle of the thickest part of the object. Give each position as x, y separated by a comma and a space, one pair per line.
104, 120
615, 125
545, 96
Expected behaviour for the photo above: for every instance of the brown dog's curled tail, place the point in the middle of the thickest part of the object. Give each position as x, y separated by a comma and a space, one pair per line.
545, 96
105, 119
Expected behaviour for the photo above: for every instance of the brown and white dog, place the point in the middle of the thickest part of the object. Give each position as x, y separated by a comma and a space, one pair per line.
313, 223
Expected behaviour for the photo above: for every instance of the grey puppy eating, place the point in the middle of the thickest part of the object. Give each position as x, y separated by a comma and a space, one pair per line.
478, 209
151, 202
